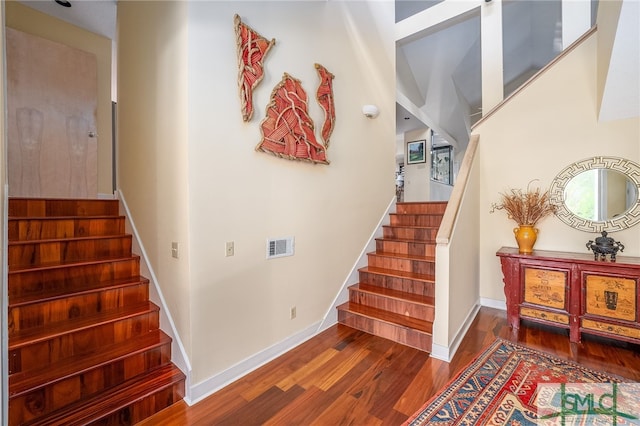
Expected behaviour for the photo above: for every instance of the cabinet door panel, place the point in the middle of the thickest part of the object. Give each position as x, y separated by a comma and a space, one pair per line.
545, 287
612, 297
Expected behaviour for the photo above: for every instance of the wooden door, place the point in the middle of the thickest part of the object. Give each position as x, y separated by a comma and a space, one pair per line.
51, 101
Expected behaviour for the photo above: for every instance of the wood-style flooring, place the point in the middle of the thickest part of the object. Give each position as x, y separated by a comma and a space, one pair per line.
347, 377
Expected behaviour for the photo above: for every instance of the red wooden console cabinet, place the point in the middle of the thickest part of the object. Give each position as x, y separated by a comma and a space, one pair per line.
573, 291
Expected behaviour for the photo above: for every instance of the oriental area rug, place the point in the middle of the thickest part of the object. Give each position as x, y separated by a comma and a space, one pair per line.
511, 385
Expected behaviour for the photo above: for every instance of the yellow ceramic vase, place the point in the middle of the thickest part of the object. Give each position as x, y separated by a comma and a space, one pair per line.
526, 236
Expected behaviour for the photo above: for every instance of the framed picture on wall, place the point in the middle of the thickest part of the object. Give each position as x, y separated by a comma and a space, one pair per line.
441, 165
416, 152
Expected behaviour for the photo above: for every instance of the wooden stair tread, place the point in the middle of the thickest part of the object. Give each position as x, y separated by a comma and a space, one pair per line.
417, 214
389, 317
68, 239
69, 217
33, 335
70, 263
395, 294
398, 274
61, 293
411, 226
420, 202
26, 381
110, 401
404, 256
49, 228
54, 207
406, 240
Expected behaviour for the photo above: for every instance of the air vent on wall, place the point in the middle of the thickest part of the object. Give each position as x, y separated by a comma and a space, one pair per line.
279, 247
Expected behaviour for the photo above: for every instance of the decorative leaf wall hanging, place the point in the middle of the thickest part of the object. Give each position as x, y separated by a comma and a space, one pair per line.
288, 130
324, 95
252, 49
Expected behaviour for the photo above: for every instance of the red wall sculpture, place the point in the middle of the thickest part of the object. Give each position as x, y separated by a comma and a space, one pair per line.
324, 95
288, 130
252, 49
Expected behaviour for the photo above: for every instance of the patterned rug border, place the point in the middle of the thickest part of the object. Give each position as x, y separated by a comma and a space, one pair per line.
451, 386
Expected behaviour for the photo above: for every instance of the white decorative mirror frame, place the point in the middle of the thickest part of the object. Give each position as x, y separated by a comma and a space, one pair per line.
557, 194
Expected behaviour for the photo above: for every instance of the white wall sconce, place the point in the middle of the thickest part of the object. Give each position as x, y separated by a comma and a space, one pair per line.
370, 111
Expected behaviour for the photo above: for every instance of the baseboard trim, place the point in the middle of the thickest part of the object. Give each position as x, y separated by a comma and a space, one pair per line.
446, 353
493, 303
103, 196
203, 389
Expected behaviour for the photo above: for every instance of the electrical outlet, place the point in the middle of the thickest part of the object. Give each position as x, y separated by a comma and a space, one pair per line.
292, 313
229, 248
174, 250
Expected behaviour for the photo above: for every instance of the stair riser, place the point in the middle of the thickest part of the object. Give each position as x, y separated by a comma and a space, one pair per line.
422, 288
405, 336
140, 410
42, 353
73, 278
42, 229
30, 207
418, 234
54, 252
405, 265
45, 399
405, 247
415, 220
421, 208
47, 312
403, 307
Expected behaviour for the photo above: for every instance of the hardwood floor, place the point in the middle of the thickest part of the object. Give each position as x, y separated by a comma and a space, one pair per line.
347, 377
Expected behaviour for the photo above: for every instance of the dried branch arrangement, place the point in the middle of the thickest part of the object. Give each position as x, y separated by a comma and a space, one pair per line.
525, 207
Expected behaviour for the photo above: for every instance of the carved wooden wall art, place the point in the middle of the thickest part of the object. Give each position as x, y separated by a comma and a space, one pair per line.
324, 95
252, 49
288, 130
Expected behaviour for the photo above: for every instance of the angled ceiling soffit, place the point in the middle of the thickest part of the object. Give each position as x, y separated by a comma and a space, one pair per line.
406, 80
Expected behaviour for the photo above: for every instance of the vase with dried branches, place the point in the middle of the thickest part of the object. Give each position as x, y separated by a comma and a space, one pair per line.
526, 208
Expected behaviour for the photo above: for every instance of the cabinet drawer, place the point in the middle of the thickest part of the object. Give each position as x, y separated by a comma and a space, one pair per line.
604, 327
545, 287
547, 316
611, 297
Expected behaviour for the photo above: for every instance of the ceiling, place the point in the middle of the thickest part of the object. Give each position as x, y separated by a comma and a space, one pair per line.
441, 75
440, 71
98, 16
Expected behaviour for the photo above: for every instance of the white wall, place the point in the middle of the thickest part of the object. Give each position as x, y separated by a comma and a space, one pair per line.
549, 125
417, 176
204, 184
152, 142
241, 304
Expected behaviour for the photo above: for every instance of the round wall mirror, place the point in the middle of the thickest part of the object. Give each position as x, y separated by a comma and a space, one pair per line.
598, 194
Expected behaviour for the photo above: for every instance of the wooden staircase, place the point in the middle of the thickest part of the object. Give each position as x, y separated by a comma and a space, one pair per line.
84, 340
395, 296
